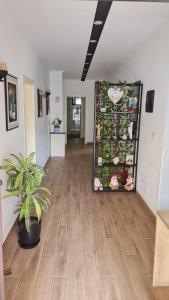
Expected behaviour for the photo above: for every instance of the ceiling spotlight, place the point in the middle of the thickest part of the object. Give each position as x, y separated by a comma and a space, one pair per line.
89, 54
98, 22
93, 41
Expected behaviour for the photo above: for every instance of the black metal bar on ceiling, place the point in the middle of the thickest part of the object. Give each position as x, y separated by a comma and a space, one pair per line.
101, 14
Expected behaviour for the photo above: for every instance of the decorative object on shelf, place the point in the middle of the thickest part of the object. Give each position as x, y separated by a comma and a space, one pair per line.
124, 137
47, 95
97, 185
116, 138
115, 94
98, 131
129, 186
129, 159
40, 103
99, 161
11, 102
132, 104
130, 130
56, 124
114, 185
116, 160
150, 101
3, 70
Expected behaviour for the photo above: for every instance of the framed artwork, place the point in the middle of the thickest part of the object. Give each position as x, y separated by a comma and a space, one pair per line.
47, 103
40, 103
11, 102
150, 101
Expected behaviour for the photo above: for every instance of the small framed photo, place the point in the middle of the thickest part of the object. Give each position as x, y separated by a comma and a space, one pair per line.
47, 103
40, 103
11, 102
150, 101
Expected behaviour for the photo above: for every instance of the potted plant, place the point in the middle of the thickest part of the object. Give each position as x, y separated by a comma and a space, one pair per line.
57, 124
24, 181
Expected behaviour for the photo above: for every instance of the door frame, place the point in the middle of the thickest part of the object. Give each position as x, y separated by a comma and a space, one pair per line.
29, 82
65, 114
2, 291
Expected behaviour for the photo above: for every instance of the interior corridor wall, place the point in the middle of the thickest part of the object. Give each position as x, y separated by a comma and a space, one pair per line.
21, 60
150, 64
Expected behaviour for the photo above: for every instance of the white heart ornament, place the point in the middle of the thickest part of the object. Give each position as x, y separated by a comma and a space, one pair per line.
115, 94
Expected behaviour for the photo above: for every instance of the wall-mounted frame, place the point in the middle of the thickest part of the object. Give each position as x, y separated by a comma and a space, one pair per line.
11, 102
40, 103
150, 101
47, 102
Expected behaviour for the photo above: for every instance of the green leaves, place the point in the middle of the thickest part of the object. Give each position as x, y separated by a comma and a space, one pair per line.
24, 180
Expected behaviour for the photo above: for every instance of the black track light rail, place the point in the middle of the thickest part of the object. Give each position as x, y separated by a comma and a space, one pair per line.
102, 11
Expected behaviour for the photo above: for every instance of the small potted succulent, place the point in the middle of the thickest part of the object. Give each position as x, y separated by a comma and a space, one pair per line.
57, 124
24, 181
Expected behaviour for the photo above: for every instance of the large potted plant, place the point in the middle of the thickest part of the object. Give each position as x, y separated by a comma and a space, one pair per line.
24, 181
56, 124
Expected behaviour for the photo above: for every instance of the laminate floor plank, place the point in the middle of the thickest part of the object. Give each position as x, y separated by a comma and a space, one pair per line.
59, 288
92, 278
110, 288
76, 288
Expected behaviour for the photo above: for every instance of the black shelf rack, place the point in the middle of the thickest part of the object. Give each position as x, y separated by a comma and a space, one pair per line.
112, 142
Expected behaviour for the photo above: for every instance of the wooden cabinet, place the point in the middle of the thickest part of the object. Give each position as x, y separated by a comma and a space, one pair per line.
161, 255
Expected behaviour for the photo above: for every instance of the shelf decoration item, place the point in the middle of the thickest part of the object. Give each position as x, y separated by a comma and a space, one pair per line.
97, 185
130, 130
116, 135
11, 102
114, 185
129, 159
98, 131
132, 104
115, 94
129, 186
100, 161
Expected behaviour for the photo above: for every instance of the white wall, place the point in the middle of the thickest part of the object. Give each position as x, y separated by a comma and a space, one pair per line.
76, 88
56, 97
164, 184
21, 60
150, 64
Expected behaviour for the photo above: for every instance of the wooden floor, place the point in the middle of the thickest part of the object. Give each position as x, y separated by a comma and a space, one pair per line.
94, 246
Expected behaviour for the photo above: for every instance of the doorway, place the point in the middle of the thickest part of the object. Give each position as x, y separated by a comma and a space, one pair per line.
2, 293
75, 120
29, 113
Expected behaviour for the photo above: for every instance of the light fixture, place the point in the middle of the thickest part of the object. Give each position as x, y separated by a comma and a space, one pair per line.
98, 22
87, 63
89, 54
93, 41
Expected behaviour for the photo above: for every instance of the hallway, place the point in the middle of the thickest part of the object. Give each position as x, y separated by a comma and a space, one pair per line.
94, 246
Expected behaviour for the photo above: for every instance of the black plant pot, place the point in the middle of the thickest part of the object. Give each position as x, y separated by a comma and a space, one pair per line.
28, 240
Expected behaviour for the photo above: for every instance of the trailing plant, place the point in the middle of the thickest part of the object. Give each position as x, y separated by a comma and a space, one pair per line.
24, 180
56, 123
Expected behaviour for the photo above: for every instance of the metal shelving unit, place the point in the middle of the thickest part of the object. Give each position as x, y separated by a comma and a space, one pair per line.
111, 143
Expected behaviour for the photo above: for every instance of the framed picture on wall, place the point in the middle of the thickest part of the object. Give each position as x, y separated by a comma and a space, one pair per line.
11, 102
47, 102
40, 103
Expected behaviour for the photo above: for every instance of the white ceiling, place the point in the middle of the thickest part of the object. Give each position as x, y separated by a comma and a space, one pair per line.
59, 31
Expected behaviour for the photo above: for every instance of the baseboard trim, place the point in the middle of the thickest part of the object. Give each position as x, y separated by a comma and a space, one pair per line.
147, 208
